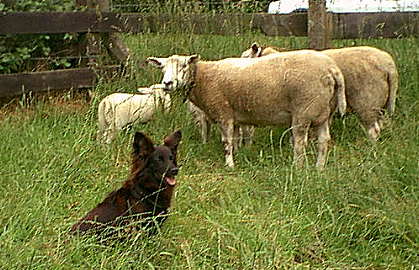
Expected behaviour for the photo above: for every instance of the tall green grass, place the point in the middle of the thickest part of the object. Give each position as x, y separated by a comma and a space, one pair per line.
359, 213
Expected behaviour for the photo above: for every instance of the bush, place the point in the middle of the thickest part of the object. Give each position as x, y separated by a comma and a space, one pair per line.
17, 51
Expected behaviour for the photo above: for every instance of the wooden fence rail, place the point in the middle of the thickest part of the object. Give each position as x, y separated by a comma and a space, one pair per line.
75, 78
344, 25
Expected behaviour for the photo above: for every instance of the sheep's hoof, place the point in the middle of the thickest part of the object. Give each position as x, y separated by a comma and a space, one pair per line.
374, 132
320, 167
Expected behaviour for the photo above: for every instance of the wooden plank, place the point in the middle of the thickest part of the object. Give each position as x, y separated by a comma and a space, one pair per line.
58, 22
348, 25
294, 24
374, 25
78, 22
18, 84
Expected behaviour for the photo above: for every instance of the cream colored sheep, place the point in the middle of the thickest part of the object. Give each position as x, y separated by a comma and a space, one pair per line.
119, 110
294, 89
371, 81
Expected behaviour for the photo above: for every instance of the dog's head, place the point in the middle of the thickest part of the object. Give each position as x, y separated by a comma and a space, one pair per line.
158, 163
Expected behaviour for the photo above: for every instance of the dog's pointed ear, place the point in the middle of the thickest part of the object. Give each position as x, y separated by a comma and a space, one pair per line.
142, 145
172, 141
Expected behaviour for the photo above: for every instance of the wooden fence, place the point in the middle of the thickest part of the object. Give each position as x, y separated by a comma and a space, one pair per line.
340, 26
344, 25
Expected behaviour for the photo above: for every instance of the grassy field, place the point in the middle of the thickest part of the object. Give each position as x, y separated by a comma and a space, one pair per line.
361, 212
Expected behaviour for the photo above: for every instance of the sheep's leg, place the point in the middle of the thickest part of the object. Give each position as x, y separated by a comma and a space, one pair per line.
227, 138
237, 139
201, 120
323, 138
117, 124
105, 135
100, 135
372, 127
299, 134
250, 133
241, 131
205, 127
372, 122
246, 136
380, 123
109, 135
374, 131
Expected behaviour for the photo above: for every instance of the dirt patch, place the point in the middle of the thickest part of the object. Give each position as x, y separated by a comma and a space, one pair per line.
24, 107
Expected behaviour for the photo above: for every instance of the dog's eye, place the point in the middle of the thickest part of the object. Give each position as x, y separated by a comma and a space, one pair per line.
171, 157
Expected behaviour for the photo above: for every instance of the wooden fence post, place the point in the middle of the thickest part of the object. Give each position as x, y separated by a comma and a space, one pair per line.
319, 25
93, 46
112, 41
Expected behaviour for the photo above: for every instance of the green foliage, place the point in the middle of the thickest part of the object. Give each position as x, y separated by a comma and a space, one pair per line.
187, 6
36, 6
359, 213
20, 53
17, 52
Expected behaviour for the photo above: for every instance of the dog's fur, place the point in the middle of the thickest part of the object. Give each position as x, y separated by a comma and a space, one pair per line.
143, 199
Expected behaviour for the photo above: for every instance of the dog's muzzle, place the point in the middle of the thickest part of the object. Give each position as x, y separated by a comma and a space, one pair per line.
170, 176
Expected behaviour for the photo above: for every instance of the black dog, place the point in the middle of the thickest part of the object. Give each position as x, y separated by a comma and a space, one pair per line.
145, 197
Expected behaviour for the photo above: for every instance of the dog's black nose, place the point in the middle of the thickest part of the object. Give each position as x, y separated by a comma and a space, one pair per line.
174, 171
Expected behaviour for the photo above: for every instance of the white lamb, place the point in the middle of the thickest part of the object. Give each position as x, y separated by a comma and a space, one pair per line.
119, 110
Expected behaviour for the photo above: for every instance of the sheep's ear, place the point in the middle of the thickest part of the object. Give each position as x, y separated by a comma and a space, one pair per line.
255, 47
156, 62
172, 141
193, 58
142, 145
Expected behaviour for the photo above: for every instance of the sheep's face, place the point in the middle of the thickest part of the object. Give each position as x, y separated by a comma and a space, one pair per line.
178, 71
254, 51
257, 51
